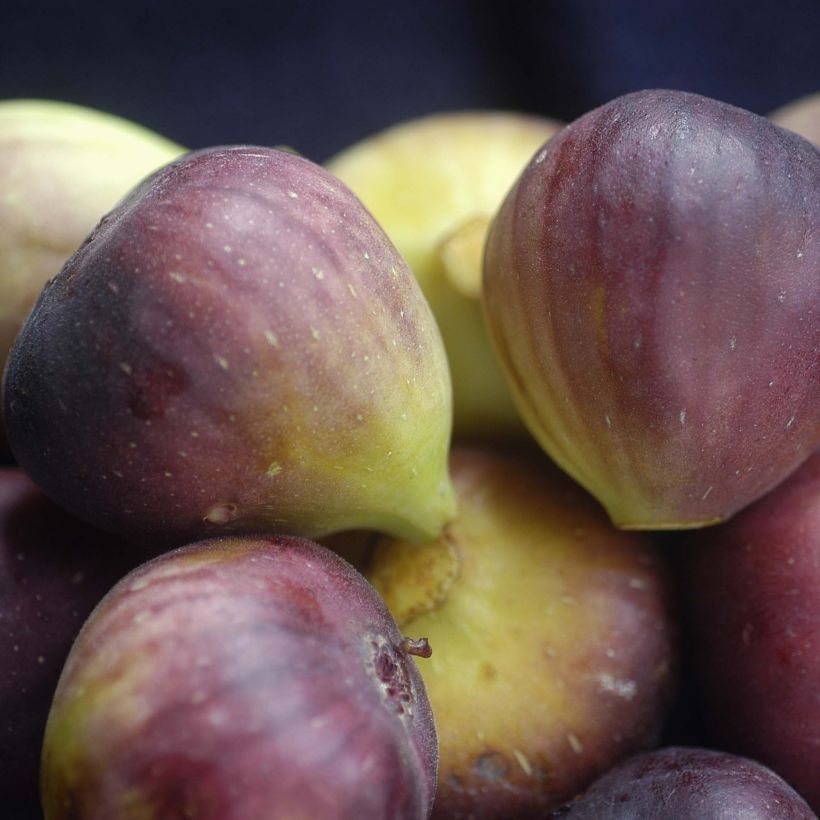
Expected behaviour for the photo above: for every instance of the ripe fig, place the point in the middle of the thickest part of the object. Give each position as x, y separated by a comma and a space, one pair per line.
652, 285
53, 570
554, 642
237, 347
752, 593
62, 167
433, 183
237, 679
687, 783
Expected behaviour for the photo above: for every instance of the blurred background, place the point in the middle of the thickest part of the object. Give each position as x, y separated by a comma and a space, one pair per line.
319, 76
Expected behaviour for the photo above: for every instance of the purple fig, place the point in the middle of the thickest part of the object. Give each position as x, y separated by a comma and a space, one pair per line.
54, 570
237, 347
688, 783
752, 589
236, 679
652, 285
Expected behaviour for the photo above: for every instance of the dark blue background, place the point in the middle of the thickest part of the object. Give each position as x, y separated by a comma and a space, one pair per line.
318, 76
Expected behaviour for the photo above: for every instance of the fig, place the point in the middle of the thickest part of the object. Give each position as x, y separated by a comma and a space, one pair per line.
651, 283
62, 167
236, 348
801, 116
433, 183
241, 678
554, 646
688, 783
752, 593
53, 570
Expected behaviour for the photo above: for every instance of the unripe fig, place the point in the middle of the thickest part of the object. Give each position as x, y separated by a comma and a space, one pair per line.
652, 285
62, 167
239, 679
434, 183
553, 639
801, 116
237, 347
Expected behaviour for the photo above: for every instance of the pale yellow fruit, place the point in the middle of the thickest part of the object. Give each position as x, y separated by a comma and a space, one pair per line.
434, 183
552, 644
801, 116
62, 167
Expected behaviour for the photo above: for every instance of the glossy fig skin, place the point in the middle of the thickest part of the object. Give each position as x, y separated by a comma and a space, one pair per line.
62, 166
651, 284
688, 783
240, 678
238, 347
752, 588
54, 569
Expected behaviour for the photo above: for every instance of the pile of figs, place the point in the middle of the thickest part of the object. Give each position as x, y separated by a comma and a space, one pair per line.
474, 473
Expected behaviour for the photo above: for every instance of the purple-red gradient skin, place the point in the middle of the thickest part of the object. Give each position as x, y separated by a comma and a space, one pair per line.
684, 783
652, 285
752, 589
237, 347
53, 570
236, 679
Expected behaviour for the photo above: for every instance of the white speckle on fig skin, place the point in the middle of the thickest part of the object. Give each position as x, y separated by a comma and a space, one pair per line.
223, 350
712, 251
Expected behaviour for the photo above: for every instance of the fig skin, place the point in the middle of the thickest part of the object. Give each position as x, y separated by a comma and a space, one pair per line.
433, 183
237, 347
688, 783
62, 167
752, 589
554, 642
240, 678
53, 570
651, 285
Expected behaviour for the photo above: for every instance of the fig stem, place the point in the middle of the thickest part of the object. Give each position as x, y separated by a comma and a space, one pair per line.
420, 647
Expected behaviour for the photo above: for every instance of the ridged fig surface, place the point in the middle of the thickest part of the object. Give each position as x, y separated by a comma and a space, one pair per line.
237, 347
240, 679
62, 167
652, 284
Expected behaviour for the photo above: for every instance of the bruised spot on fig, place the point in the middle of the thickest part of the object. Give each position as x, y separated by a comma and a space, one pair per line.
491, 766
488, 671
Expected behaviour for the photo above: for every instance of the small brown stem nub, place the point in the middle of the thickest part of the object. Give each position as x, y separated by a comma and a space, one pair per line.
420, 647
